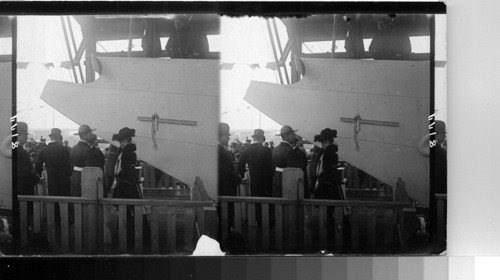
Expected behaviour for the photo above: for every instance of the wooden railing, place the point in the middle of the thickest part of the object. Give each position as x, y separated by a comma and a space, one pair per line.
441, 201
93, 224
302, 225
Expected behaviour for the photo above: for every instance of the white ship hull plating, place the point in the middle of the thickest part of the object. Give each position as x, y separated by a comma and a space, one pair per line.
183, 91
392, 96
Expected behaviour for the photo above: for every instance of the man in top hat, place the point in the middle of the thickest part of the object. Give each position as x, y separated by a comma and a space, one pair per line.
326, 173
78, 157
260, 165
56, 159
228, 178
283, 157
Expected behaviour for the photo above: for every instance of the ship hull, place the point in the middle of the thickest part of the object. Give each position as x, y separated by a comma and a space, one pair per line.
391, 97
127, 94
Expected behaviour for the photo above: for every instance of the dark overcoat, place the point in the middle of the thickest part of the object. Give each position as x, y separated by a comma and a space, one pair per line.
328, 180
127, 184
260, 165
26, 176
58, 166
228, 179
78, 156
283, 157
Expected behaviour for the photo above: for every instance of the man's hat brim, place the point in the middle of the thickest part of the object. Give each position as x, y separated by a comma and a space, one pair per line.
78, 133
259, 136
290, 132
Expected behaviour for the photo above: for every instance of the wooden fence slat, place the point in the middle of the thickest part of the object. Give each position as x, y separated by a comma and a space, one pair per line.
155, 241
188, 226
23, 212
63, 207
441, 224
51, 227
78, 227
237, 217
252, 225
291, 226
200, 220
354, 228
389, 227
278, 212
171, 240
401, 228
307, 227
37, 219
371, 229
323, 225
108, 228
122, 228
90, 232
265, 226
138, 215
339, 228
225, 218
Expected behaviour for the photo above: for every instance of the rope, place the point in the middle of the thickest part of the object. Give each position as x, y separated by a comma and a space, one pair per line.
154, 128
357, 129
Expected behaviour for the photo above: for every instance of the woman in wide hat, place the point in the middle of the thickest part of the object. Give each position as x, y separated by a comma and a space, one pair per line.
126, 184
327, 185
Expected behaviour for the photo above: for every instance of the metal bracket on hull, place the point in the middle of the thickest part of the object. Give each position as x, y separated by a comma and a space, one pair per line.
170, 121
374, 122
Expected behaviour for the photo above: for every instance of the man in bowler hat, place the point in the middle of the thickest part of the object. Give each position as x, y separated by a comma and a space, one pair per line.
259, 160
56, 159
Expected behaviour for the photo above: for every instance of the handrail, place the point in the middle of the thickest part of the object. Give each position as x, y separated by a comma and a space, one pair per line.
355, 203
316, 202
253, 199
116, 201
65, 199
156, 202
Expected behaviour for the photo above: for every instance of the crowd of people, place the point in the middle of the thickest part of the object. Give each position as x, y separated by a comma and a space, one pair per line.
64, 166
266, 164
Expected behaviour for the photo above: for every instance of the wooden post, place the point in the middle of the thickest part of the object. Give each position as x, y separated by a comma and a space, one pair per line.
92, 187
293, 188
